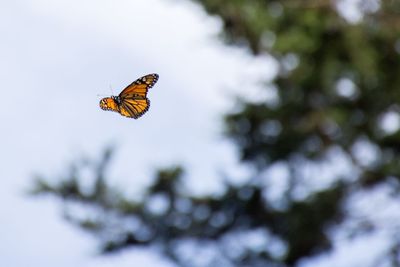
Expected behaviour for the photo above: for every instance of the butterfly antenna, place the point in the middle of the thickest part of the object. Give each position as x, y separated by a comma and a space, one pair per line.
112, 91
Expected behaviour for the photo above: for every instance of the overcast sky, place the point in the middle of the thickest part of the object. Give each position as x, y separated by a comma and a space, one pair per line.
56, 58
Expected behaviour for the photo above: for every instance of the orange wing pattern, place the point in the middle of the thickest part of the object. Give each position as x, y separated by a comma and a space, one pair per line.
140, 86
132, 102
109, 103
134, 108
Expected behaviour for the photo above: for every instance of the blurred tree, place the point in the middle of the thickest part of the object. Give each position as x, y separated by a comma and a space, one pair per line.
331, 113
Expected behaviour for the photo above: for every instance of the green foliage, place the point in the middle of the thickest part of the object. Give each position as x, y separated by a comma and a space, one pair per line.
338, 90
121, 222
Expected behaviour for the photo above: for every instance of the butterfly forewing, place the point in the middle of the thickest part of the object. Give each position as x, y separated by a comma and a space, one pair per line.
140, 86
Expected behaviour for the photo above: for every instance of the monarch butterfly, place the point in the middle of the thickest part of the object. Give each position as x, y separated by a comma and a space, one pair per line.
132, 101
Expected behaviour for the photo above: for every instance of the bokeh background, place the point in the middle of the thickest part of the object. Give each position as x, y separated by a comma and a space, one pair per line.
272, 138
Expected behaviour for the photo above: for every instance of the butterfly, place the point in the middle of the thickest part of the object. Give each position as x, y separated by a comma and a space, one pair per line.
132, 102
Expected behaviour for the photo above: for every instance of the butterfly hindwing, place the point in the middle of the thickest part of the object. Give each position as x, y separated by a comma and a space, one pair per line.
132, 102
134, 108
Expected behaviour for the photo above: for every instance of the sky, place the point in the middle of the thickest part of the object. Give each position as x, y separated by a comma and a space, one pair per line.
58, 59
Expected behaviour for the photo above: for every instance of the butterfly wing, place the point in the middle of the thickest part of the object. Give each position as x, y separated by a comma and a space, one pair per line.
135, 107
109, 103
134, 102
139, 87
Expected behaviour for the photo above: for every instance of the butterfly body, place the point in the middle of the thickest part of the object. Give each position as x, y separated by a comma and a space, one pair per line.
132, 102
